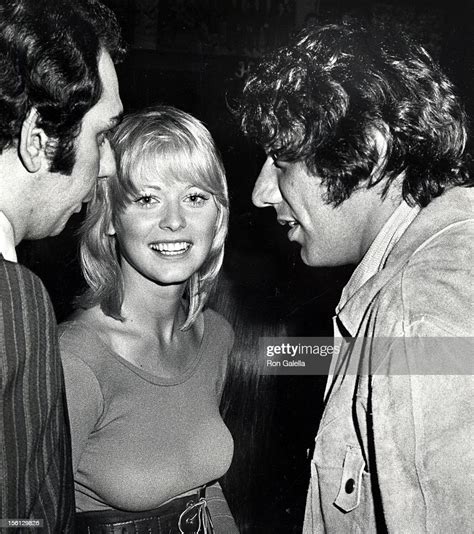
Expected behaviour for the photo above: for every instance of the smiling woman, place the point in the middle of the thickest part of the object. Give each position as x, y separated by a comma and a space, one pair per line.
166, 231
144, 361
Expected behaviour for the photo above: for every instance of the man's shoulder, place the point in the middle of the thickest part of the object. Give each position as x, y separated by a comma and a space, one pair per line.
435, 283
20, 286
451, 214
27, 321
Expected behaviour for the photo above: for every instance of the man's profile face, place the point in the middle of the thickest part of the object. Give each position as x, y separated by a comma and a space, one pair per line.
328, 235
62, 195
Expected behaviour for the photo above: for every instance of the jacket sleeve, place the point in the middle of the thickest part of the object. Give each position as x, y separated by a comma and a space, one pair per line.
422, 424
35, 470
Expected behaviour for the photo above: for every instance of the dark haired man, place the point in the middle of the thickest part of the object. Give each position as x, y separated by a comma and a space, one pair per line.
58, 99
365, 163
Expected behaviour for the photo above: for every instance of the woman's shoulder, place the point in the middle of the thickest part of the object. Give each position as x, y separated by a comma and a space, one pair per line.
214, 319
79, 337
218, 326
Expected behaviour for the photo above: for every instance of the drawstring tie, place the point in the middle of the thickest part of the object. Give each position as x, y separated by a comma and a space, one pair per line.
196, 514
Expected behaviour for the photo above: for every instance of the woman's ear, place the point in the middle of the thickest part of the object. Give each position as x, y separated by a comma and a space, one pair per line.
33, 141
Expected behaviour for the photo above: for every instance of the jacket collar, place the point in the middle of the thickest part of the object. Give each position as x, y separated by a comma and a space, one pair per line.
453, 206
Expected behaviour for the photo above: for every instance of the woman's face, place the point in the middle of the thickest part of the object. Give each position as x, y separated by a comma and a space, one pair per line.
166, 231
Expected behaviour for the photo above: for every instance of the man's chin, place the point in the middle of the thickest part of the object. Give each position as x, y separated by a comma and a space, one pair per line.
57, 229
42, 234
327, 261
304, 259
321, 260
310, 261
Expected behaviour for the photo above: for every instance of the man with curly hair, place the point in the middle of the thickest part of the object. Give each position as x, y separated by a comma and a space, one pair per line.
365, 142
58, 99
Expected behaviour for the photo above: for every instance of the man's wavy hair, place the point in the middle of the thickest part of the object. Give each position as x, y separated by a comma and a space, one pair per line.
166, 143
320, 100
49, 52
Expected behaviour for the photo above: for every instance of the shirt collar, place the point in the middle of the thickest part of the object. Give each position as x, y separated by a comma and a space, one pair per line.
7, 239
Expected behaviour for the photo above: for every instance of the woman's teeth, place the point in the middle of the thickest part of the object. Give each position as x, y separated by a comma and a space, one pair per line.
171, 249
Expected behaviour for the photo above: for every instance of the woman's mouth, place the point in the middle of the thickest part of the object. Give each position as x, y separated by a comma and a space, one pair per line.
177, 248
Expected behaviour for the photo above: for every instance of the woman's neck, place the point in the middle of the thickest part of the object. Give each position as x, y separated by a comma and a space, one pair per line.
154, 308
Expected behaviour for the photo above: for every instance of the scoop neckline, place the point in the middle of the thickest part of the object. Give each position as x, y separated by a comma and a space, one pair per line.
185, 375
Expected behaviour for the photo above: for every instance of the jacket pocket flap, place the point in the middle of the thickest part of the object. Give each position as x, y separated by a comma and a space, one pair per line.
348, 497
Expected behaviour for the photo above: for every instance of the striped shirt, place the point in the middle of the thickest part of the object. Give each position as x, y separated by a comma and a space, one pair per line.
35, 460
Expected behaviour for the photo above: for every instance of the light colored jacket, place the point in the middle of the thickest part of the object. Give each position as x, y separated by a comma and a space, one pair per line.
394, 451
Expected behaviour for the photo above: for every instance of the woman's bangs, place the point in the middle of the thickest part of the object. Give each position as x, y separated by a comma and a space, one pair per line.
179, 165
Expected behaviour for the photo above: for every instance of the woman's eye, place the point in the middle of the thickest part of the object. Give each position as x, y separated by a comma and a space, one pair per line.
146, 200
197, 199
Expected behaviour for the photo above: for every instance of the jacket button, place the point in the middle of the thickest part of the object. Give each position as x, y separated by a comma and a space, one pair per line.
350, 485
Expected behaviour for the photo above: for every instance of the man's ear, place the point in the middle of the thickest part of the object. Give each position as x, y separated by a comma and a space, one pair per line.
33, 140
380, 142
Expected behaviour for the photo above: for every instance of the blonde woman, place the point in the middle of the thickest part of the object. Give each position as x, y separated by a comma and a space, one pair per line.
144, 360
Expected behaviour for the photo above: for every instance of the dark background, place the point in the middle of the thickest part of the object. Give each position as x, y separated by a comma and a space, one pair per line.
195, 54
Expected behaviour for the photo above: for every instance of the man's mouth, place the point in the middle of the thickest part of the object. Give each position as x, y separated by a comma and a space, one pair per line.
168, 248
292, 224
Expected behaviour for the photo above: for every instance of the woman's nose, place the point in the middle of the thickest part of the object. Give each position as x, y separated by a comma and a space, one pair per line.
172, 218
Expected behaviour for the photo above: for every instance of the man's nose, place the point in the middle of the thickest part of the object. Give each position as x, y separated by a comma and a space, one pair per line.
107, 161
266, 191
172, 218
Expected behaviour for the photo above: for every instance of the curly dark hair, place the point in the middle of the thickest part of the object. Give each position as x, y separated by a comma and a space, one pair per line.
321, 98
49, 51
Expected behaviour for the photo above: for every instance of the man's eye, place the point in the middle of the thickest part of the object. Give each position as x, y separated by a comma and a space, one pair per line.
102, 138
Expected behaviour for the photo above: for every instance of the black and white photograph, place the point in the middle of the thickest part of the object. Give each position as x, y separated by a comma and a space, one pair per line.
236, 266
